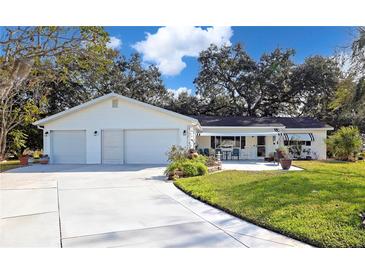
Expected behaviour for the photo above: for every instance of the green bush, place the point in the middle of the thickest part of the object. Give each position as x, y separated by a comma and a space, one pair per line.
177, 165
189, 169
202, 168
345, 143
201, 159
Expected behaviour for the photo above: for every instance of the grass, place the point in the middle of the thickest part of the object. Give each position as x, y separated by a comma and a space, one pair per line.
319, 205
4, 166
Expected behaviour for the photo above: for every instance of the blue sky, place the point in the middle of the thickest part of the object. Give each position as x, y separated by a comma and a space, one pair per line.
306, 41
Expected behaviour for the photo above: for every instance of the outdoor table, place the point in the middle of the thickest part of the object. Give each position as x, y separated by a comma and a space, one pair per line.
226, 153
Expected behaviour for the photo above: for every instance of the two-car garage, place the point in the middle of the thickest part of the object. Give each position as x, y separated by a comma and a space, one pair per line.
118, 146
114, 129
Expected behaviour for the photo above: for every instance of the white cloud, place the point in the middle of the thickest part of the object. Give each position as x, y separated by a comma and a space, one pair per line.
114, 43
176, 92
169, 45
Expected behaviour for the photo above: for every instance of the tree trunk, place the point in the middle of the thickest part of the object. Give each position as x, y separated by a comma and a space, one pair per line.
3, 136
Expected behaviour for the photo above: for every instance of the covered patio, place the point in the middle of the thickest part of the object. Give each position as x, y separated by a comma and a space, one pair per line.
241, 144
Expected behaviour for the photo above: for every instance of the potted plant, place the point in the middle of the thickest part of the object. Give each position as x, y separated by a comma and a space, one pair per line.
23, 160
281, 151
284, 158
24, 157
44, 159
285, 163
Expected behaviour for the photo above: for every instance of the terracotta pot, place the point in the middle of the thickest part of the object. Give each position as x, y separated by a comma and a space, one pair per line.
44, 161
24, 160
285, 163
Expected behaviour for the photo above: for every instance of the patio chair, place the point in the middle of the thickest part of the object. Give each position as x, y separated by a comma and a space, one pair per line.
200, 151
206, 151
235, 153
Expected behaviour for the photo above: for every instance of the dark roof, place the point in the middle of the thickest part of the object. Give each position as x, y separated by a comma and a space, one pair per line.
240, 121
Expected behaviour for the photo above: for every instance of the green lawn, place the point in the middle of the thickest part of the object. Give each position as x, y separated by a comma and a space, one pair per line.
319, 205
4, 166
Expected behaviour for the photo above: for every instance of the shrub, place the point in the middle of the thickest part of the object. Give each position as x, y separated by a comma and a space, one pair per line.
345, 143
177, 153
177, 165
201, 159
17, 142
189, 169
202, 168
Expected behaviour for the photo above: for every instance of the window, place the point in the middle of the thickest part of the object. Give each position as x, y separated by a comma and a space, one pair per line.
243, 142
296, 143
228, 141
114, 103
260, 140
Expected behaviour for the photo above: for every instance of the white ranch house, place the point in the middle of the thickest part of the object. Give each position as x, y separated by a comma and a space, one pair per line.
114, 129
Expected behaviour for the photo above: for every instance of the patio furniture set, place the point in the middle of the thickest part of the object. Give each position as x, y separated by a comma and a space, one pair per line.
222, 153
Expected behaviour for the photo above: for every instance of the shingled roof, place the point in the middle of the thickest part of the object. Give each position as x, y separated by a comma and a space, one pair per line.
240, 121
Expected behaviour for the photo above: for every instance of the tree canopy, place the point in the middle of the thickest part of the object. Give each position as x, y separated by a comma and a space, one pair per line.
45, 70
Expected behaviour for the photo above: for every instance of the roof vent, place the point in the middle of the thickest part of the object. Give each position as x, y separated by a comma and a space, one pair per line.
114, 103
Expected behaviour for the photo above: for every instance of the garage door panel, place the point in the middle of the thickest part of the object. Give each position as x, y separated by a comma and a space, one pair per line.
149, 146
68, 147
112, 147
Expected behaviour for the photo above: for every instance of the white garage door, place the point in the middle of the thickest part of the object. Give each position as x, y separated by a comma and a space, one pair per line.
68, 147
148, 146
112, 147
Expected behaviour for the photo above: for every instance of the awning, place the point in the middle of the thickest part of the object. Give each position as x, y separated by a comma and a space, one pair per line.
298, 136
269, 133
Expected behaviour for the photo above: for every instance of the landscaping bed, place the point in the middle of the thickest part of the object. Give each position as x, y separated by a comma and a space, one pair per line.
188, 163
319, 205
4, 166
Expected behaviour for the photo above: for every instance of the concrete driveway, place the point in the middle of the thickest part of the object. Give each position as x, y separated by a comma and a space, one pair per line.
114, 206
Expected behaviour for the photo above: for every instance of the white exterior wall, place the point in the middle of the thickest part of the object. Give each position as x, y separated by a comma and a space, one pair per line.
103, 116
318, 146
203, 141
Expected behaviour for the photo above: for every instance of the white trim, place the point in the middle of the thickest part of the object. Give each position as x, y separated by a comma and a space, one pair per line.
112, 95
308, 129
282, 127
239, 134
232, 127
